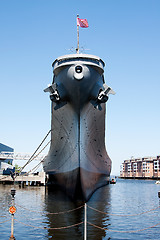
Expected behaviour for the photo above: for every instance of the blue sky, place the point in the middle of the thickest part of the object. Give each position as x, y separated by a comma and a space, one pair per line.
124, 33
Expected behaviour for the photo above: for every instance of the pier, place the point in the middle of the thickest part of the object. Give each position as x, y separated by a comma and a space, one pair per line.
30, 180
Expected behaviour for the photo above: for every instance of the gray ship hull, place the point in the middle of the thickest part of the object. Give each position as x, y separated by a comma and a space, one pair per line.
77, 160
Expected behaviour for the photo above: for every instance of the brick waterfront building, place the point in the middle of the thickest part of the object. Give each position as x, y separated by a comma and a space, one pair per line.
147, 167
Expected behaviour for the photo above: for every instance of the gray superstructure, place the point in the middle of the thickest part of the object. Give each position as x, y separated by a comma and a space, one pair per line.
77, 160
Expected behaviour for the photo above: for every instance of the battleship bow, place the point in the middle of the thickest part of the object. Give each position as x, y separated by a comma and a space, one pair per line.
77, 160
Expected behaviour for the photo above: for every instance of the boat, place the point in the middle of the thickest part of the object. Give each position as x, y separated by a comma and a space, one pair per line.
77, 160
157, 182
113, 181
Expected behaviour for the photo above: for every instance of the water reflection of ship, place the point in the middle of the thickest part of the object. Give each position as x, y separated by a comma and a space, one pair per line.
77, 160
57, 201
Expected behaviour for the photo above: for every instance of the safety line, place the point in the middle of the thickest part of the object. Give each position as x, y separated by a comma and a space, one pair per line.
29, 225
132, 231
56, 213
5, 221
91, 224
122, 215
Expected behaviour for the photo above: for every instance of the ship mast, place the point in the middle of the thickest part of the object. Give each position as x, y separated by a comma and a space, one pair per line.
77, 49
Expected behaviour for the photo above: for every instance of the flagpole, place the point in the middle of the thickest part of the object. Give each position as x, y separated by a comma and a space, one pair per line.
77, 49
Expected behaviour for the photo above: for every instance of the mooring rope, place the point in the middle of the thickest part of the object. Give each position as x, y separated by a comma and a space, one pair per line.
33, 169
58, 228
42, 149
123, 215
56, 213
30, 159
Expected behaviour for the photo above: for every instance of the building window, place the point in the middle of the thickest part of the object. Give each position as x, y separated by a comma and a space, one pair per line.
135, 167
123, 168
129, 167
144, 166
156, 165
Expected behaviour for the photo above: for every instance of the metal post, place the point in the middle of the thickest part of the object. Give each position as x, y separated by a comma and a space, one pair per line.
12, 229
13, 192
77, 49
85, 221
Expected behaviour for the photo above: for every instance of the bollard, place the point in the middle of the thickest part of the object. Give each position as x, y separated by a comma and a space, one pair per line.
12, 211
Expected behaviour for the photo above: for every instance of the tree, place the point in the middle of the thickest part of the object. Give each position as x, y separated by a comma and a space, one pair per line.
17, 168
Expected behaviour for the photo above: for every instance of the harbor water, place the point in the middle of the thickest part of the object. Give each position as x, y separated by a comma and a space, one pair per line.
128, 209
